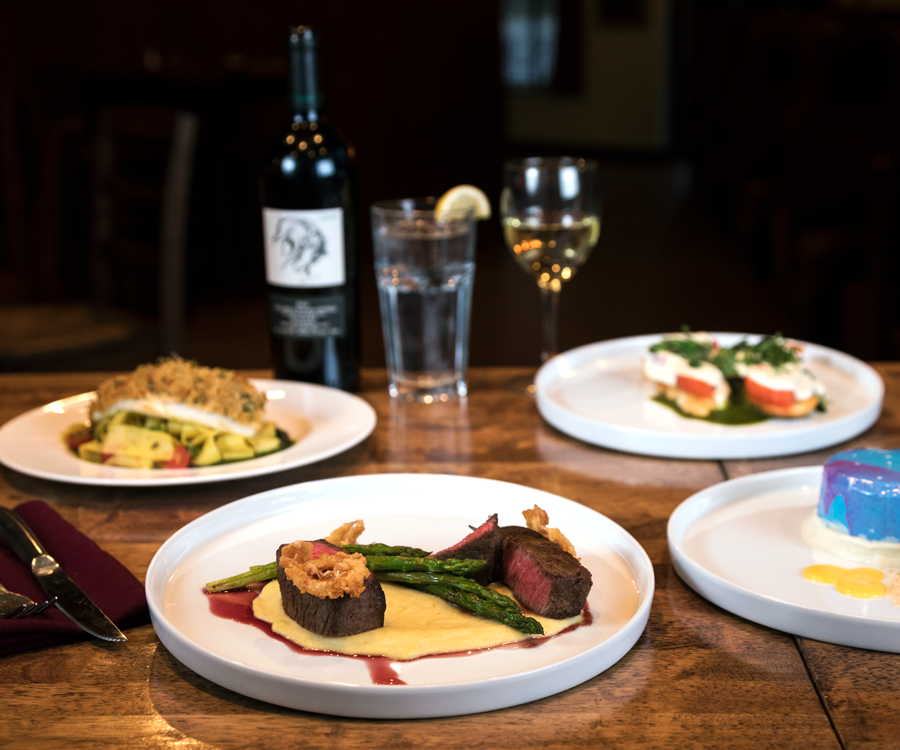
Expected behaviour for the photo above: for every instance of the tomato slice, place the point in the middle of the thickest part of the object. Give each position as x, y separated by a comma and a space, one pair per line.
181, 458
695, 387
76, 439
759, 394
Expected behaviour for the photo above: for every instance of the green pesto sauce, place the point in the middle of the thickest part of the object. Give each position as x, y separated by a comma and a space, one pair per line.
738, 411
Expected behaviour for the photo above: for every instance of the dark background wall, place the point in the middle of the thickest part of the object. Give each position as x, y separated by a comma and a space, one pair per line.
770, 207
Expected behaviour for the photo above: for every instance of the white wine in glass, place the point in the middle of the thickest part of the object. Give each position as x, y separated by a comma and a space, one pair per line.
551, 251
550, 211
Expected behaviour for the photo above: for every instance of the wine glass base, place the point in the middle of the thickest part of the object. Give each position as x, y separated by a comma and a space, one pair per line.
523, 385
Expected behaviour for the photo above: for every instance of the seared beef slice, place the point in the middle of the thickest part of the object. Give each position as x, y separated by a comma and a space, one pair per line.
543, 577
333, 617
485, 543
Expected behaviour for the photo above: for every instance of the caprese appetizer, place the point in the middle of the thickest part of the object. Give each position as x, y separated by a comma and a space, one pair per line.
691, 370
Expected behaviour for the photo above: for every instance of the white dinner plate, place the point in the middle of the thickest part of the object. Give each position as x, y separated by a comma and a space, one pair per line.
424, 510
597, 393
327, 420
739, 544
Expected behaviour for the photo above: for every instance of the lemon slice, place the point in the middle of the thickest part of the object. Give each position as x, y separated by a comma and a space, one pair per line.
463, 197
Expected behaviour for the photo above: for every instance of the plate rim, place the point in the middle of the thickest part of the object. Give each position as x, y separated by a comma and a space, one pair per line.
710, 446
399, 701
174, 477
867, 631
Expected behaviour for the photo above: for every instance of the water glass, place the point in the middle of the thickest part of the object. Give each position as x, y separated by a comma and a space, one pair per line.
425, 268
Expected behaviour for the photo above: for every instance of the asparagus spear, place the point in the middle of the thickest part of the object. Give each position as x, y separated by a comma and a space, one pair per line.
425, 564
256, 574
484, 608
454, 582
385, 549
269, 571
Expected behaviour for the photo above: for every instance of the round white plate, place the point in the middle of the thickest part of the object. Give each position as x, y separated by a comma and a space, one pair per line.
426, 510
739, 544
330, 422
597, 393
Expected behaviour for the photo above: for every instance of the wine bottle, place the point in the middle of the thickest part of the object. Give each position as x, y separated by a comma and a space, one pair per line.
309, 225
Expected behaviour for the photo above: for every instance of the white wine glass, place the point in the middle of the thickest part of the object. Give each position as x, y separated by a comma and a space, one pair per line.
550, 211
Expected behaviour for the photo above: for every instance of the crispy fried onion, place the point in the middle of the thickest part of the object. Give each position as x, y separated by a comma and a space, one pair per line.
538, 519
328, 576
346, 533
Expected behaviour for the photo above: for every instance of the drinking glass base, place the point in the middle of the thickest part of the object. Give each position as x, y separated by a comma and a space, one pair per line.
427, 390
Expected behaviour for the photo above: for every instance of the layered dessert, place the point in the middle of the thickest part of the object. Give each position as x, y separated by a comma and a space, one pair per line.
858, 513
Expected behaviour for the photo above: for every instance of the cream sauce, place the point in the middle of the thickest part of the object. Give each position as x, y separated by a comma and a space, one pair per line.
817, 534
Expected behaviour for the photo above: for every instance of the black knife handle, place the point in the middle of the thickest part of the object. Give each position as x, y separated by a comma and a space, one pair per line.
19, 537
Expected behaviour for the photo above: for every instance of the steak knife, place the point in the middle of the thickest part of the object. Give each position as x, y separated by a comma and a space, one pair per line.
70, 599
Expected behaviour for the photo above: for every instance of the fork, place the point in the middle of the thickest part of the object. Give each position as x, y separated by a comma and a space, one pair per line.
16, 605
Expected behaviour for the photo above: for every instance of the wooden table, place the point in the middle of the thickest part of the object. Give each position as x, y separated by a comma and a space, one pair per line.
697, 677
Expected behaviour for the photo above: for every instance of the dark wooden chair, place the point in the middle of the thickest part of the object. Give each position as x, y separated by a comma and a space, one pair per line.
133, 309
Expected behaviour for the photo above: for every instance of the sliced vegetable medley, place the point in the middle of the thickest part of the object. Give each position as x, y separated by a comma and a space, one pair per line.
138, 441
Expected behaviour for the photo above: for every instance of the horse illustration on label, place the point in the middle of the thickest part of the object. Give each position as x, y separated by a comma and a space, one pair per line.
301, 244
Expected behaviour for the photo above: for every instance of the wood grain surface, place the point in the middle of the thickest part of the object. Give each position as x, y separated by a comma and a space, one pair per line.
698, 677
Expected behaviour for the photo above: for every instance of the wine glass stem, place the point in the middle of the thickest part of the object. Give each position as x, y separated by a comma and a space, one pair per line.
550, 305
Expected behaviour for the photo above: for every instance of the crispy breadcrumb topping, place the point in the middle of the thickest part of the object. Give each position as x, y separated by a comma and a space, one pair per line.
327, 576
346, 533
537, 520
210, 389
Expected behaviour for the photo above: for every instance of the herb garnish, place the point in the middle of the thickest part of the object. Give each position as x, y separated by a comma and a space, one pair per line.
775, 351
772, 350
695, 352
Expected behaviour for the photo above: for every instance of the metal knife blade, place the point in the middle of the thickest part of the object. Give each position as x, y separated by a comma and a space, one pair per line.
70, 599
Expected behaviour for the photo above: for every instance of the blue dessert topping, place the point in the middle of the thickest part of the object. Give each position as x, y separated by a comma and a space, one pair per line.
861, 494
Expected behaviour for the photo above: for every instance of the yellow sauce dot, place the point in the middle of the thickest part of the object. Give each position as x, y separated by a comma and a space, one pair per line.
866, 574
861, 589
824, 573
861, 583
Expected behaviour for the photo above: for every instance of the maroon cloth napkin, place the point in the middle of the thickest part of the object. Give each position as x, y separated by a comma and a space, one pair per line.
103, 578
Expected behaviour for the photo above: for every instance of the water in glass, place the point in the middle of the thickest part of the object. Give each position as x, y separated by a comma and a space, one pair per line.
425, 272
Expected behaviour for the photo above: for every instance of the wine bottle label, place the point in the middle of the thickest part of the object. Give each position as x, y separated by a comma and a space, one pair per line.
304, 249
307, 317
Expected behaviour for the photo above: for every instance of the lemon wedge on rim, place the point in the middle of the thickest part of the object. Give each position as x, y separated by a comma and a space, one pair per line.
463, 197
